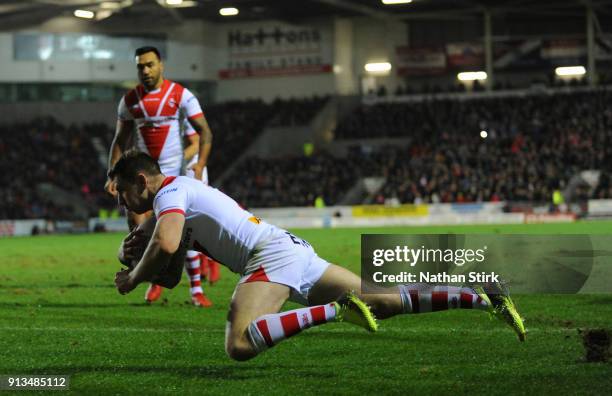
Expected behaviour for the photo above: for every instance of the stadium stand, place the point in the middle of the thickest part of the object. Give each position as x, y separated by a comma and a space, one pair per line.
535, 144
235, 126
44, 151
296, 112
71, 157
290, 181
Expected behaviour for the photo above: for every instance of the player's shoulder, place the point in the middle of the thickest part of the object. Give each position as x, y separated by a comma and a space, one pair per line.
169, 185
176, 84
193, 185
131, 96
178, 89
184, 183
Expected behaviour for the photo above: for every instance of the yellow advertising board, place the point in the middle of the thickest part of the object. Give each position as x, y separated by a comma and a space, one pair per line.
388, 211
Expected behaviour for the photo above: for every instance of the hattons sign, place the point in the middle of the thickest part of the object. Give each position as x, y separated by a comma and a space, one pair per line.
276, 36
276, 50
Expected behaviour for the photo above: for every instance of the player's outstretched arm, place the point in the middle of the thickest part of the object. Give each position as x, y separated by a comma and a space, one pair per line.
205, 144
123, 133
192, 148
160, 257
171, 277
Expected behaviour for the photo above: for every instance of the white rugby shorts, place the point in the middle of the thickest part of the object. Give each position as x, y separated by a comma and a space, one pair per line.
288, 260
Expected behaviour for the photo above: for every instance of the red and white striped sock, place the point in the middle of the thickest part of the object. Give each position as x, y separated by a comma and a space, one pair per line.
192, 266
421, 297
268, 330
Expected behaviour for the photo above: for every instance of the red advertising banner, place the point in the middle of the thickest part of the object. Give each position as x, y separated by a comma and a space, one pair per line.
465, 54
420, 61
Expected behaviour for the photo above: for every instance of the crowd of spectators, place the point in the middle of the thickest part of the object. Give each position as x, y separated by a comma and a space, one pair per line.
477, 86
236, 124
296, 112
46, 151
533, 146
290, 181
535, 114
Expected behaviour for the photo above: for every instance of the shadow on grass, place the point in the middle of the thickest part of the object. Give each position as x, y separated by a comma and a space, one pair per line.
601, 300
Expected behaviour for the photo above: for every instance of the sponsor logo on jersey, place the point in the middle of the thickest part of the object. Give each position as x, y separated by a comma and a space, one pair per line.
167, 191
172, 102
254, 219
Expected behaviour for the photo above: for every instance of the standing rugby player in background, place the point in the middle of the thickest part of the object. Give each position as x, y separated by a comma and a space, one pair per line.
153, 112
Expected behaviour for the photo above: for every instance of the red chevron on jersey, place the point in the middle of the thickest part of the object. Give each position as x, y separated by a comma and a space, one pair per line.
171, 105
152, 101
154, 138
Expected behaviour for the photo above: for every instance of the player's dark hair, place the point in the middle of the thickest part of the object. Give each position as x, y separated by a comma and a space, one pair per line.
146, 49
133, 162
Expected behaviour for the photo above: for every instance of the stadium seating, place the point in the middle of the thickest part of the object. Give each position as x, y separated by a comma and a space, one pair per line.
534, 145
236, 125
291, 181
505, 116
72, 157
44, 151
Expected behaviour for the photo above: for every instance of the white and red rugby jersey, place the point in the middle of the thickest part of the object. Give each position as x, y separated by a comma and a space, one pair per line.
214, 223
158, 115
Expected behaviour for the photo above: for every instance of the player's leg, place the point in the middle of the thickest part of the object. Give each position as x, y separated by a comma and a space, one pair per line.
249, 302
409, 298
210, 269
213, 270
336, 281
255, 323
192, 267
417, 297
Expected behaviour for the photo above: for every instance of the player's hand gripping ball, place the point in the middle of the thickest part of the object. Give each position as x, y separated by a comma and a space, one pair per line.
134, 244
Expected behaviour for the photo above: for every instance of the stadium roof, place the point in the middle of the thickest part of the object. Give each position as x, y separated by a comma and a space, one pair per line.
15, 14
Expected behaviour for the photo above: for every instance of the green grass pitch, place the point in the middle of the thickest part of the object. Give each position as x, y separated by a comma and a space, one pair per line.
60, 314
